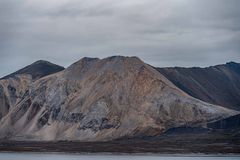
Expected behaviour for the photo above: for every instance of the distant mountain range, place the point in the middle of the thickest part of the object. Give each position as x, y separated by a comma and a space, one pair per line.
115, 97
218, 85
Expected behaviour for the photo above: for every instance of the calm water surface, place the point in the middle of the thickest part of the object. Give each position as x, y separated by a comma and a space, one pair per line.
56, 156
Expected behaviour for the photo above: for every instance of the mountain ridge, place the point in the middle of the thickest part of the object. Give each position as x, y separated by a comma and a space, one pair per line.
104, 99
218, 84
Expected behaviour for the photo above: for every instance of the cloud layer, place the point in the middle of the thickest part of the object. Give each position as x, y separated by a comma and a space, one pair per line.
161, 32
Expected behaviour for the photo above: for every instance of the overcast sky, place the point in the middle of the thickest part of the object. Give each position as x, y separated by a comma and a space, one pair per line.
160, 32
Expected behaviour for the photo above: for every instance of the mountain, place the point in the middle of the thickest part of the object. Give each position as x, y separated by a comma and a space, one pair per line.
104, 99
37, 70
218, 85
15, 86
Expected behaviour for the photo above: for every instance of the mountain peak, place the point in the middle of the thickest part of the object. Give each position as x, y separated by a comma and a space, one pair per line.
232, 63
87, 59
42, 62
111, 58
37, 70
114, 64
119, 58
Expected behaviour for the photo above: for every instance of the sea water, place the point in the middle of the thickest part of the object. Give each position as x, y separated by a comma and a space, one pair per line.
62, 156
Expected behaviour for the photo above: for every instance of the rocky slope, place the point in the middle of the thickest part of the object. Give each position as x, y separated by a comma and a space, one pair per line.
218, 85
14, 87
104, 99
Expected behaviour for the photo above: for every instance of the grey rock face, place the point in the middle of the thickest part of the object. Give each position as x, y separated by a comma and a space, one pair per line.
96, 119
20, 111
72, 117
43, 119
5, 106
12, 91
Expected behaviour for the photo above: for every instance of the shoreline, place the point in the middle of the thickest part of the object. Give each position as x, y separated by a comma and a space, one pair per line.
128, 154
172, 145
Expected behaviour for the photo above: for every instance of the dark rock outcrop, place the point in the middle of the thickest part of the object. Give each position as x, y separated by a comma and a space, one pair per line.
230, 123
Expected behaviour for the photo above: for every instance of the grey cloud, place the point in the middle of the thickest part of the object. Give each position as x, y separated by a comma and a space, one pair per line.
73, 10
161, 32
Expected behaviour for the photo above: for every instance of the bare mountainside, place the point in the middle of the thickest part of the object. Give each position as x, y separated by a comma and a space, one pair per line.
14, 87
218, 85
104, 99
